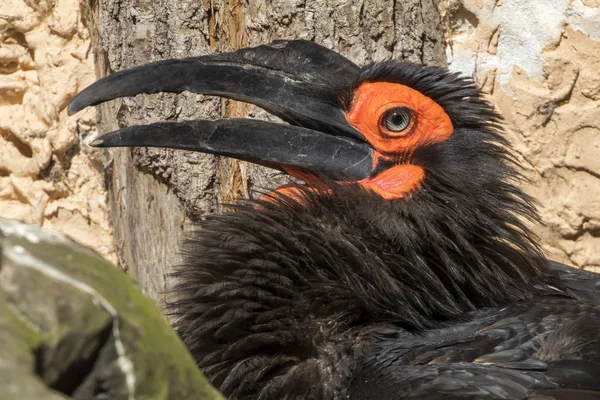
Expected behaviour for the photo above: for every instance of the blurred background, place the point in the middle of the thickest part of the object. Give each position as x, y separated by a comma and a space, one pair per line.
538, 59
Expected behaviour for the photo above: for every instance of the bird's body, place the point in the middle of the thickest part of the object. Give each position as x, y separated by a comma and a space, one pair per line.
283, 300
405, 270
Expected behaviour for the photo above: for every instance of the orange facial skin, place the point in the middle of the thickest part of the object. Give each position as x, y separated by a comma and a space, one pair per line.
430, 125
373, 99
395, 182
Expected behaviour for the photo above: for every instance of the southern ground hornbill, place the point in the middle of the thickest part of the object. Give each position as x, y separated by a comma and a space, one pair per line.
400, 268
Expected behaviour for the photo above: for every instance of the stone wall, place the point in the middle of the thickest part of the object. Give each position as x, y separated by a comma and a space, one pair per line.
538, 59
48, 175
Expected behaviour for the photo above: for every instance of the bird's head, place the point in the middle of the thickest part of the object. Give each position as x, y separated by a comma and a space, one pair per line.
392, 128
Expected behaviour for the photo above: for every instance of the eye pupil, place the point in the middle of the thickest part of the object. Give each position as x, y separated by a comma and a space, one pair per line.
397, 119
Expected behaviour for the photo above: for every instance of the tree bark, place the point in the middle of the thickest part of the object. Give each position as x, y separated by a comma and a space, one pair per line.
155, 194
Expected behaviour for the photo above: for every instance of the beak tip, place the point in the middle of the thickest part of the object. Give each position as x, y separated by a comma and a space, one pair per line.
73, 107
97, 143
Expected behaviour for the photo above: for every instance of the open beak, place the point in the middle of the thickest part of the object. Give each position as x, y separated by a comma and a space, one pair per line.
298, 81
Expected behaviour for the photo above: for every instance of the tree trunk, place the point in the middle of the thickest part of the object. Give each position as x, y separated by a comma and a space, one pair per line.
156, 194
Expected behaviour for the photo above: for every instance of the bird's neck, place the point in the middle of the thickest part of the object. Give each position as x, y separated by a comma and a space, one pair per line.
277, 296
422, 260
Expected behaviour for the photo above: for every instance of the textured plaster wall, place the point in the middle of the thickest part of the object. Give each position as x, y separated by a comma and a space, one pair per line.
540, 61
48, 175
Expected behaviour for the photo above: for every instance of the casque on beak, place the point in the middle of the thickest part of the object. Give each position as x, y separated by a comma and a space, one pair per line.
298, 81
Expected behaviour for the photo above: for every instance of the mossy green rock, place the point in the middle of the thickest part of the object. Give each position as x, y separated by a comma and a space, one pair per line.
72, 325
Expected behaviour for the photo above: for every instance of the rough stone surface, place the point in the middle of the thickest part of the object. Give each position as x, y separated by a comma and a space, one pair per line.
75, 326
156, 194
48, 174
539, 60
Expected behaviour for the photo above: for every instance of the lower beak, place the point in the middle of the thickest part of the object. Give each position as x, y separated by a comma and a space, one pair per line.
257, 141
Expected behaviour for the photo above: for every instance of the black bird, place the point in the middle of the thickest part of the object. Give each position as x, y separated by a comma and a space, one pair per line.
401, 268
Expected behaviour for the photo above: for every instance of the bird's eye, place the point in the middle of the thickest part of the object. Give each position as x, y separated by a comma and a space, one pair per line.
397, 121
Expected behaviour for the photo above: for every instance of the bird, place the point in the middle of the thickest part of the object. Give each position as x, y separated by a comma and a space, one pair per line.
398, 264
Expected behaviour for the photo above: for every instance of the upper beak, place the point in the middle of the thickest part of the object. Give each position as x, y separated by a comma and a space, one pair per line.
298, 81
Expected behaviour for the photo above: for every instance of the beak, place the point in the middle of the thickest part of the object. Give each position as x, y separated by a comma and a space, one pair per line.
298, 81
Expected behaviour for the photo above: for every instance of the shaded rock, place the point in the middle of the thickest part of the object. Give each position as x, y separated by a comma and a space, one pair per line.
73, 325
